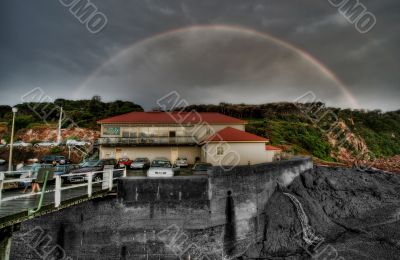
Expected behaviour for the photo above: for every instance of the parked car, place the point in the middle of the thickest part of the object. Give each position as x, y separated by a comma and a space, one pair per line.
20, 144
94, 166
65, 169
124, 162
46, 144
201, 168
2, 161
160, 167
140, 163
181, 162
60, 159
76, 143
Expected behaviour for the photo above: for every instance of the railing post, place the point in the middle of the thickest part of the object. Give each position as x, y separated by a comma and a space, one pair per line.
90, 184
110, 180
124, 175
1, 184
57, 192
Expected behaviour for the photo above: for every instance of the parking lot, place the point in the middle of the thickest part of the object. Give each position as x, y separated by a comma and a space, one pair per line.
177, 172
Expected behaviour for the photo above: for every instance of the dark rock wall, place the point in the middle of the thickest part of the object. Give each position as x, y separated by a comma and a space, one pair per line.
357, 213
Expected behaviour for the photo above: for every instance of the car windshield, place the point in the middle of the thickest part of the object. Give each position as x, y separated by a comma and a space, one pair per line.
123, 159
139, 160
60, 168
26, 168
161, 163
90, 163
181, 158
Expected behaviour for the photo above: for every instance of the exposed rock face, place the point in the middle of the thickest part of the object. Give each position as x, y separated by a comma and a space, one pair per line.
357, 213
43, 133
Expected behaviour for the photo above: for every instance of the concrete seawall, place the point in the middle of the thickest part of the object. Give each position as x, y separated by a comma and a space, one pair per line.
217, 216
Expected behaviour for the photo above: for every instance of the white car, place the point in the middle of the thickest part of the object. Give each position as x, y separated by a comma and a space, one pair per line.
20, 144
76, 143
160, 168
181, 162
2, 161
46, 144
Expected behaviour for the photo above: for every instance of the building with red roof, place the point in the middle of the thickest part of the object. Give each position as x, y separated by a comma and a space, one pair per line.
273, 152
210, 137
185, 118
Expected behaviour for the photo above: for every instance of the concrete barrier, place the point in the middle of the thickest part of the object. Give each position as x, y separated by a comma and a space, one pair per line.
219, 215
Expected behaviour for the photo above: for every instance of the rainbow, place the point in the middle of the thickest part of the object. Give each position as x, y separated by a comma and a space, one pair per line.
226, 28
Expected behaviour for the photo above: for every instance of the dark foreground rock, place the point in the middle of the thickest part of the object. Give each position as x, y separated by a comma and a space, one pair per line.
357, 213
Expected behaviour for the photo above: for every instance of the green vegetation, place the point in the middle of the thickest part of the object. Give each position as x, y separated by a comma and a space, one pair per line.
56, 150
299, 125
304, 138
83, 113
296, 125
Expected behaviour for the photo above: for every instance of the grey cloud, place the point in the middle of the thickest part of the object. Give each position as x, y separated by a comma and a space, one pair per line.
43, 45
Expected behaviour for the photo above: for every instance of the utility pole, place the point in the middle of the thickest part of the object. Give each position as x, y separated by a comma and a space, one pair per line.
59, 127
14, 110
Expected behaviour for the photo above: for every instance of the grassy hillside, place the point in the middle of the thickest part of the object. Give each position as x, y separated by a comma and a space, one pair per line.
84, 113
288, 123
282, 123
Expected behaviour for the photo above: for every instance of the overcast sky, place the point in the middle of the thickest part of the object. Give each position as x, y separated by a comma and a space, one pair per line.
209, 51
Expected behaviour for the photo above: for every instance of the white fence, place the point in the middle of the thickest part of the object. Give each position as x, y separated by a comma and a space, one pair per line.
87, 181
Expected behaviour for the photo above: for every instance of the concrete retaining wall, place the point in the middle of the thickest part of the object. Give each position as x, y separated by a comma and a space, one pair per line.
219, 215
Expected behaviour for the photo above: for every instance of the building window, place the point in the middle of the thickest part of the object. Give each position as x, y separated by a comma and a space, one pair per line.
220, 150
111, 130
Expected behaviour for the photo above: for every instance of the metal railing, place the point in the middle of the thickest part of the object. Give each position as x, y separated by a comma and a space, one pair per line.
106, 184
147, 140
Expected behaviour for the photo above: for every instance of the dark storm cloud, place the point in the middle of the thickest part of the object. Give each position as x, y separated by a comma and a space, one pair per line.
43, 45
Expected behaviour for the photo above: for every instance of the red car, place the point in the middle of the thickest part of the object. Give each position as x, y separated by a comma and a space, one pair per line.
124, 162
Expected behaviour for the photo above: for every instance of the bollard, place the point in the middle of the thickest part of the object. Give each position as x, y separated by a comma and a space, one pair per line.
1, 185
90, 182
110, 180
57, 192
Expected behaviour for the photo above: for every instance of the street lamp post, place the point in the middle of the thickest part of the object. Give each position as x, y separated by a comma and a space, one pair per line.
14, 110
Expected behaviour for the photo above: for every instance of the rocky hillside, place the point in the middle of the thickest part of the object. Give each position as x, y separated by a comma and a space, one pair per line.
50, 134
329, 134
356, 214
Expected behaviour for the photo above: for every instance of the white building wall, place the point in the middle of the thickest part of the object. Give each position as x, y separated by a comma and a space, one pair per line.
190, 152
200, 132
271, 154
235, 153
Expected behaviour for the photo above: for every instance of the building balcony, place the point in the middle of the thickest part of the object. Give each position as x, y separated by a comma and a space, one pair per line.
147, 141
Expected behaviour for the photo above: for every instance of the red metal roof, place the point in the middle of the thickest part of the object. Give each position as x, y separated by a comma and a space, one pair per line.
272, 148
230, 134
172, 118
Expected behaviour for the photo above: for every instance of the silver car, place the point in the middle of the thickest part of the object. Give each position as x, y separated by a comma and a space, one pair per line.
181, 162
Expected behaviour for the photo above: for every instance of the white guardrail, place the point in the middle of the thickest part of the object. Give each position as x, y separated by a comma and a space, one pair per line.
106, 181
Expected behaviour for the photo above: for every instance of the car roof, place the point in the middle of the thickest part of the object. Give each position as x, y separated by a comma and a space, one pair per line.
161, 159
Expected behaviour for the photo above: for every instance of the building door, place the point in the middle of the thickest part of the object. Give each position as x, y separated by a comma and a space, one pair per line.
174, 154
